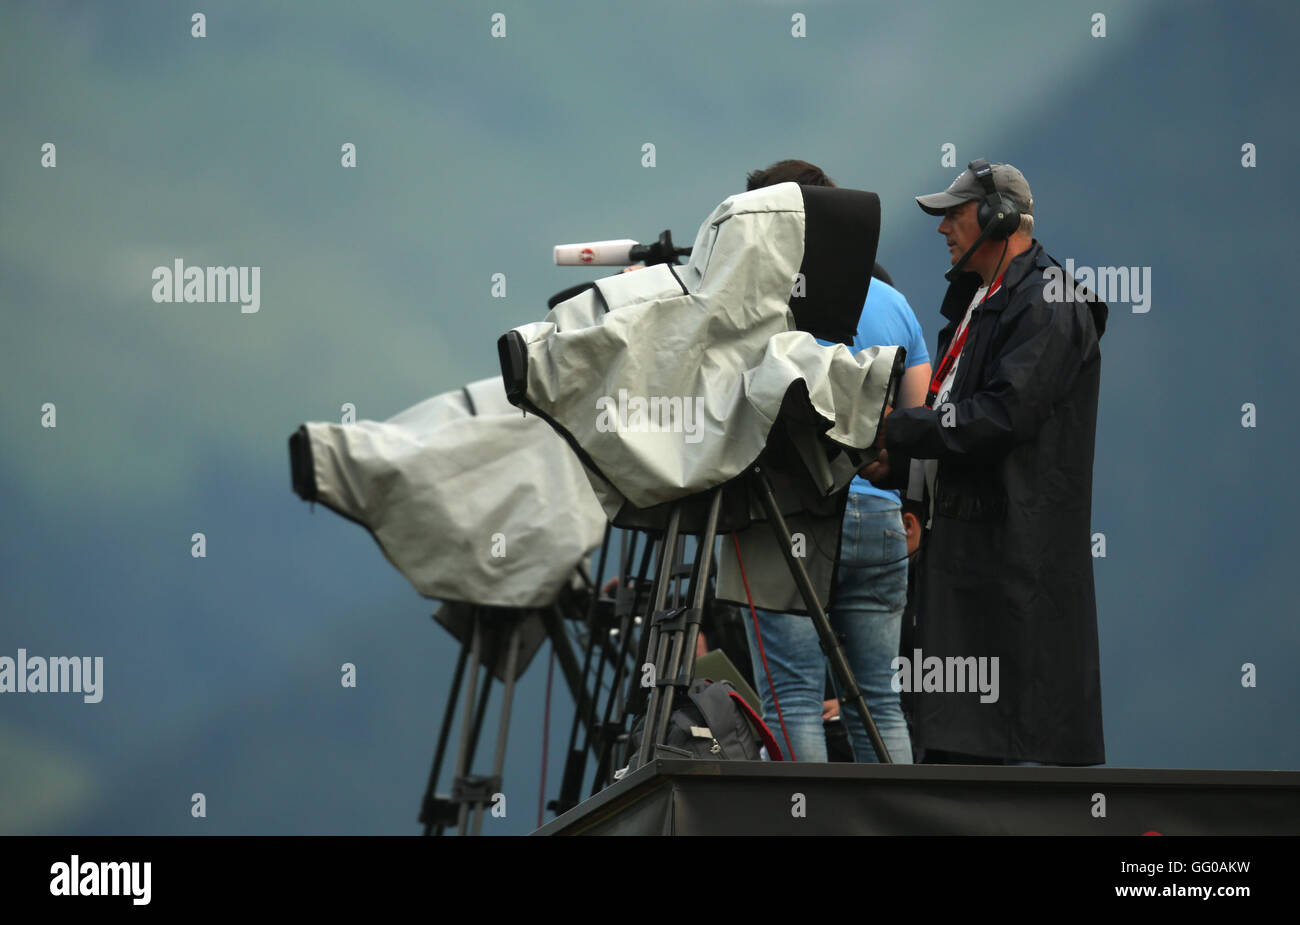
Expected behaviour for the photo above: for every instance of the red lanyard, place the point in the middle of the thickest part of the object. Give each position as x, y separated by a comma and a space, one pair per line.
954, 351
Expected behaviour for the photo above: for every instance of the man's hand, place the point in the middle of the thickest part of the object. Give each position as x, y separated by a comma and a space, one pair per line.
880, 433
878, 470
830, 709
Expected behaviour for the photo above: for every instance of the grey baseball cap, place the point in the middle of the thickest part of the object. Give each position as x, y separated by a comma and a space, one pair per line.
1009, 181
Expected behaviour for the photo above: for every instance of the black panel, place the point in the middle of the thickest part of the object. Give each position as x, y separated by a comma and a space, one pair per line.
514, 365
842, 231
755, 798
301, 467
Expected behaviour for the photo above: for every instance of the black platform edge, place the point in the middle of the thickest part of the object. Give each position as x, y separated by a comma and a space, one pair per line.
664, 774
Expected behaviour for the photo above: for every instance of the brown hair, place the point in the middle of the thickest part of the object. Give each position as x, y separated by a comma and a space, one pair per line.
800, 172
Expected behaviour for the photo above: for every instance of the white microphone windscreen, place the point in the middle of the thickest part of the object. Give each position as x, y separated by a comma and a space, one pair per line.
594, 253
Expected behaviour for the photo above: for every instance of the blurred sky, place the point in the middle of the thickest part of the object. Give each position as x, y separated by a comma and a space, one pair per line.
476, 155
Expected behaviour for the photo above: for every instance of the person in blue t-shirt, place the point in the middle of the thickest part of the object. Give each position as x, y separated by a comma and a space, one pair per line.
871, 584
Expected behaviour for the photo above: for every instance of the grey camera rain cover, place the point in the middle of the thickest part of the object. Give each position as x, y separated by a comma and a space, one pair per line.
669, 381
469, 498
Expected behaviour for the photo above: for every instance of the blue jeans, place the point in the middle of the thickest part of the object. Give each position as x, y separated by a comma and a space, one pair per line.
867, 612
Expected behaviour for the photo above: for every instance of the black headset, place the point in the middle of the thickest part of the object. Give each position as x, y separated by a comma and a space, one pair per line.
998, 215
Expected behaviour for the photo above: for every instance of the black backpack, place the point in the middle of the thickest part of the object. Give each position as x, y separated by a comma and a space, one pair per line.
714, 723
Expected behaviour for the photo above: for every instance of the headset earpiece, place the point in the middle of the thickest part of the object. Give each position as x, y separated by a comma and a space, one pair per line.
997, 214
1002, 214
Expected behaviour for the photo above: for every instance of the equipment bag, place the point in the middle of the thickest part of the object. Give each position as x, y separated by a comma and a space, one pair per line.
715, 723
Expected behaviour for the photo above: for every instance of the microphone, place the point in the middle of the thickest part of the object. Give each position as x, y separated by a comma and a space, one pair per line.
619, 253
595, 253
957, 267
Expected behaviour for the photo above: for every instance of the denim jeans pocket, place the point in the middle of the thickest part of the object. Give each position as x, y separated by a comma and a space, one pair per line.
893, 546
872, 532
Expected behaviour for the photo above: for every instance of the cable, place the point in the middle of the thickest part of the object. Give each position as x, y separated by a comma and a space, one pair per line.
761, 654
987, 292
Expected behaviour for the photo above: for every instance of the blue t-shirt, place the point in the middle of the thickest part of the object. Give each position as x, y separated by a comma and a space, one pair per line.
887, 320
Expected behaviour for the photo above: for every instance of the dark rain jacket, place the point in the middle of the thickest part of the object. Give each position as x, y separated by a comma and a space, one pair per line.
1006, 567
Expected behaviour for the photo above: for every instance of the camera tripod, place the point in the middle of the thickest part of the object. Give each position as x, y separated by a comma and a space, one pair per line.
669, 640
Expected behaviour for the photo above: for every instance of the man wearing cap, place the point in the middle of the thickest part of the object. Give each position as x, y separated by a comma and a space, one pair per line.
1001, 453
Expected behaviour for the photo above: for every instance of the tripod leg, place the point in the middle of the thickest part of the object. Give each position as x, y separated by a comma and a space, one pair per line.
830, 643
682, 663
698, 590
656, 647
430, 791
553, 621
598, 740
503, 730
467, 718
619, 701
575, 763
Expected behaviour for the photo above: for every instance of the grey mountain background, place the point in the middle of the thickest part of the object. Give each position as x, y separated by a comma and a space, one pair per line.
475, 156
